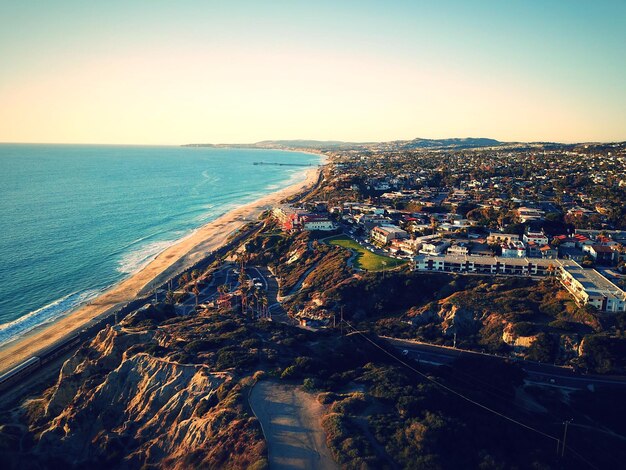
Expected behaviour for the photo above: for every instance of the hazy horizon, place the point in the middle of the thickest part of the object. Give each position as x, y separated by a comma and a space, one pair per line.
147, 73
137, 144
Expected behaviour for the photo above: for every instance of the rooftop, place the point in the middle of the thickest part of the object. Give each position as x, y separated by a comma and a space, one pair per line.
594, 282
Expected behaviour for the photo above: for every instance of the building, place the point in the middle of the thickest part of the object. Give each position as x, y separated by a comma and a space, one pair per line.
288, 216
535, 237
528, 214
312, 222
589, 287
600, 253
513, 250
459, 249
570, 252
405, 245
548, 252
434, 247
383, 234
497, 238
491, 265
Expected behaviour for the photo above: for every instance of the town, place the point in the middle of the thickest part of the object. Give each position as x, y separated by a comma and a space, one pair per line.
519, 212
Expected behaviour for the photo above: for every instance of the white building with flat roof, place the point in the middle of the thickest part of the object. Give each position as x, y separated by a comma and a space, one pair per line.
589, 287
385, 233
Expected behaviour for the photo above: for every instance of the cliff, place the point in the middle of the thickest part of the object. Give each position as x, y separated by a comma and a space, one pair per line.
131, 398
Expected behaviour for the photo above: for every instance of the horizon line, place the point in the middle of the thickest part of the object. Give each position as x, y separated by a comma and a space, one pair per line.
315, 140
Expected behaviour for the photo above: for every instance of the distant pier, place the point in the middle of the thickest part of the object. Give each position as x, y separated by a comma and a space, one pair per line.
282, 164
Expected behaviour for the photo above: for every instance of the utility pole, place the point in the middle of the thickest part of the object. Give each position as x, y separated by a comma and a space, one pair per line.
341, 321
565, 423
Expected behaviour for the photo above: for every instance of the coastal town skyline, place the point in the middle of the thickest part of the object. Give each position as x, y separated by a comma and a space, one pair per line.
245, 72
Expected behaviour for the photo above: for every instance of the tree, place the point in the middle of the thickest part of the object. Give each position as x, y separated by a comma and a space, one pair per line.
264, 302
183, 279
196, 292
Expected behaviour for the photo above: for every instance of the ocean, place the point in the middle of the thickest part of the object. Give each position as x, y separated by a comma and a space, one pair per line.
76, 219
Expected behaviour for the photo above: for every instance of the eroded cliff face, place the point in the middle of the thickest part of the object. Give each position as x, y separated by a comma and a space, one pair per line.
129, 399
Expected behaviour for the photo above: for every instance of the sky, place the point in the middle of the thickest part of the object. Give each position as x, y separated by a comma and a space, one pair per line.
176, 72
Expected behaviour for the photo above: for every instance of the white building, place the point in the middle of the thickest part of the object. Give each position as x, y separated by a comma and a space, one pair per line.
434, 247
538, 238
589, 287
496, 237
385, 233
323, 224
514, 250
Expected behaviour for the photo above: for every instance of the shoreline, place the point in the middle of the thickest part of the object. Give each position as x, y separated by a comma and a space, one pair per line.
182, 254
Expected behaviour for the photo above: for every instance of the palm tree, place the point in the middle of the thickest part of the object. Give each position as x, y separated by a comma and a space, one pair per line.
255, 298
223, 290
264, 303
196, 292
183, 279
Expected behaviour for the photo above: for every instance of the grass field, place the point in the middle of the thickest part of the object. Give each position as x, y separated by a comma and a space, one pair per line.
365, 259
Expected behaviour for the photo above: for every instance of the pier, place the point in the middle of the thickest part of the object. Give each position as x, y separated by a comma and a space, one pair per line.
282, 164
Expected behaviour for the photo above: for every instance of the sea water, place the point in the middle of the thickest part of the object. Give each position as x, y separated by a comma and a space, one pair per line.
76, 219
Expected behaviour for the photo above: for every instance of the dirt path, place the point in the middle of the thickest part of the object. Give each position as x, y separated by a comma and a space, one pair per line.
292, 423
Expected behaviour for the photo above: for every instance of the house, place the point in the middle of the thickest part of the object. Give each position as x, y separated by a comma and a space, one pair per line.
497, 238
434, 247
571, 252
548, 252
513, 250
536, 237
481, 249
405, 245
528, 214
383, 234
458, 249
600, 253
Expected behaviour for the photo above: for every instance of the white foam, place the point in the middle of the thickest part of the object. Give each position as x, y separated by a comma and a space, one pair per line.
46, 314
135, 260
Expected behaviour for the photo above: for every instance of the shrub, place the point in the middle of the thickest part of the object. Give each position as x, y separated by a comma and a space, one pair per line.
351, 405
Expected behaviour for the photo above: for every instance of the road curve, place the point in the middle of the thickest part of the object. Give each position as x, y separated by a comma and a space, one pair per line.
292, 424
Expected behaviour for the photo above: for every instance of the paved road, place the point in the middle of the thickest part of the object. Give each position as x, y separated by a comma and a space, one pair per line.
292, 424
224, 275
546, 374
278, 313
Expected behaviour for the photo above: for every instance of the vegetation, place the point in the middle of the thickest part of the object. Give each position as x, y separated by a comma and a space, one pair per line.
365, 259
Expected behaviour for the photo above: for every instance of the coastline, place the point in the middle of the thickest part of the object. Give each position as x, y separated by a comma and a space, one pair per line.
179, 256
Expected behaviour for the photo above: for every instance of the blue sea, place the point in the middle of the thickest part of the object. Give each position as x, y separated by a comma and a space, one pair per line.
76, 219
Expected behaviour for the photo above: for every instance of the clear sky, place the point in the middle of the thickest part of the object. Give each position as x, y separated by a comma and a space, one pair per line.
174, 72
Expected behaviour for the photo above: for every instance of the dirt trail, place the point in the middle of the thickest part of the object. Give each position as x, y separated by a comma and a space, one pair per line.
292, 424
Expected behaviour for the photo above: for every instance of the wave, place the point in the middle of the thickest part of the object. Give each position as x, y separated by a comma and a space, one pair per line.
135, 260
46, 314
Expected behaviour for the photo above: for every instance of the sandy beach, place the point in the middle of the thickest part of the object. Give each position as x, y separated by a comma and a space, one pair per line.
182, 254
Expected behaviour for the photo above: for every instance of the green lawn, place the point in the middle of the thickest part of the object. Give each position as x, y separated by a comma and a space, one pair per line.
365, 259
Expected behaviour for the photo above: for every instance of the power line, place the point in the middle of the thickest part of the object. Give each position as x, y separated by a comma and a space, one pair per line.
480, 405
445, 387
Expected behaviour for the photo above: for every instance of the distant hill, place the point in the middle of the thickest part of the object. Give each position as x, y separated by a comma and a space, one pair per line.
453, 143
417, 144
